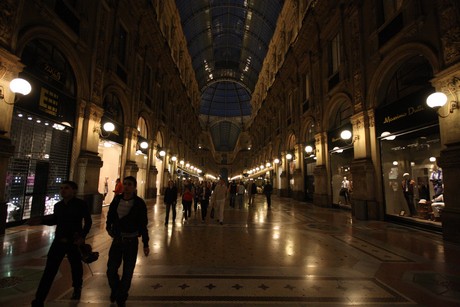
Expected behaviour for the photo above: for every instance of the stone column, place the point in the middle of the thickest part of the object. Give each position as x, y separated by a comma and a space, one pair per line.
298, 192
131, 168
322, 184
10, 66
89, 163
284, 184
448, 82
364, 204
152, 188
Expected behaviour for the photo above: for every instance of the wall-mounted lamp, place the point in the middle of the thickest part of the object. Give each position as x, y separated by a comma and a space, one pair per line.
107, 127
308, 149
268, 164
438, 100
174, 158
289, 156
162, 153
17, 86
347, 135
387, 136
144, 145
276, 161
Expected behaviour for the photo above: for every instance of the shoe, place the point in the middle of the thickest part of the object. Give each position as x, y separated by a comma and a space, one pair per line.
113, 297
76, 294
121, 303
36, 303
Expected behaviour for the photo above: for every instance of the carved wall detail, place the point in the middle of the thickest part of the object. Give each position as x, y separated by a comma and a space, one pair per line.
8, 11
450, 29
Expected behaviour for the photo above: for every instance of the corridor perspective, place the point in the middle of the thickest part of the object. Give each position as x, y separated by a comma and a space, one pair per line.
294, 254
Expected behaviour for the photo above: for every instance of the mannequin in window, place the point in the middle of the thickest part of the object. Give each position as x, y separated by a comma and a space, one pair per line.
408, 190
438, 204
345, 189
436, 180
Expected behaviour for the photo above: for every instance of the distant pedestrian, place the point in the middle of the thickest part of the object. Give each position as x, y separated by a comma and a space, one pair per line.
268, 189
170, 200
219, 196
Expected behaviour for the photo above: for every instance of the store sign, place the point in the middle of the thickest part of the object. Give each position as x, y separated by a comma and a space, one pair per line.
407, 113
334, 139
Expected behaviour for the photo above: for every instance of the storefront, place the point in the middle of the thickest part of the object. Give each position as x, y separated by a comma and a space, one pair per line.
42, 133
341, 156
409, 137
309, 168
110, 147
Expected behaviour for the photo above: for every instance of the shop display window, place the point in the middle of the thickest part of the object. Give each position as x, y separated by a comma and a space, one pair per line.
342, 180
411, 177
39, 165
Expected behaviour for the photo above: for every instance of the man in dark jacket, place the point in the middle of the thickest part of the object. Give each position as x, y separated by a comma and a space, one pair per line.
268, 189
68, 215
170, 201
126, 221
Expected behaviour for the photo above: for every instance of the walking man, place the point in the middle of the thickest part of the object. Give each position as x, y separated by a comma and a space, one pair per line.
126, 221
170, 201
68, 216
219, 196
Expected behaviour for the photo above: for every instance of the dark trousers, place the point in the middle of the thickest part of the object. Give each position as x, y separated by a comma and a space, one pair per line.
232, 199
55, 255
269, 199
187, 208
168, 208
121, 250
204, 208
195, 204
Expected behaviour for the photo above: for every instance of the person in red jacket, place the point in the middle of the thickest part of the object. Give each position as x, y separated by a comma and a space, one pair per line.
187, 198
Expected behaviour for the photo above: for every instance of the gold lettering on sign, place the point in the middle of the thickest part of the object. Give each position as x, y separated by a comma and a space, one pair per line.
412, 110
49, 102
53, 72
389, 119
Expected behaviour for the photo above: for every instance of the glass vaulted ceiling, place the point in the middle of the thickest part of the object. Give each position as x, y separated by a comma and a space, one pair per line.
227, 41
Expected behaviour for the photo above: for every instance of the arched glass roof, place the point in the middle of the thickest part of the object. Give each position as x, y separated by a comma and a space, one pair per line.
227, 41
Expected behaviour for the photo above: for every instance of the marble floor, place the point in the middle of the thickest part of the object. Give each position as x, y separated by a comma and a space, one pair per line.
294, 254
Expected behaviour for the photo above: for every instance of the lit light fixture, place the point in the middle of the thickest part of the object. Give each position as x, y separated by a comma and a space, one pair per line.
187, 164
17, 86
276, 161
268, 164
347, 135
107, 127
173, 158
438, 99
395, 163
144, 145
432, 159
337, 150
181, 162
308, 149
387, 136
162, 153
289, 156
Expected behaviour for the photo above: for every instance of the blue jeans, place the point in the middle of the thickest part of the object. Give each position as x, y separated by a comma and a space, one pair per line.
121, 250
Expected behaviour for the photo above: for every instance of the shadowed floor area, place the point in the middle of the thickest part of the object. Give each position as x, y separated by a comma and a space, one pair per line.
292, 254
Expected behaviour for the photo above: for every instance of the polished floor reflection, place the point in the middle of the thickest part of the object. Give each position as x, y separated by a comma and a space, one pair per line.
293, 254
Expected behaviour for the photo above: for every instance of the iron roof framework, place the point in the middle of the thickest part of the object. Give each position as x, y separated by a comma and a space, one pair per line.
227, 41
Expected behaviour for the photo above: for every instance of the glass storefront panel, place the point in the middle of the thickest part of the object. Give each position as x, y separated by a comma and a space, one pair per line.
110, 153
39, 164
309, 181
141, 161
413, 154
341, 177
